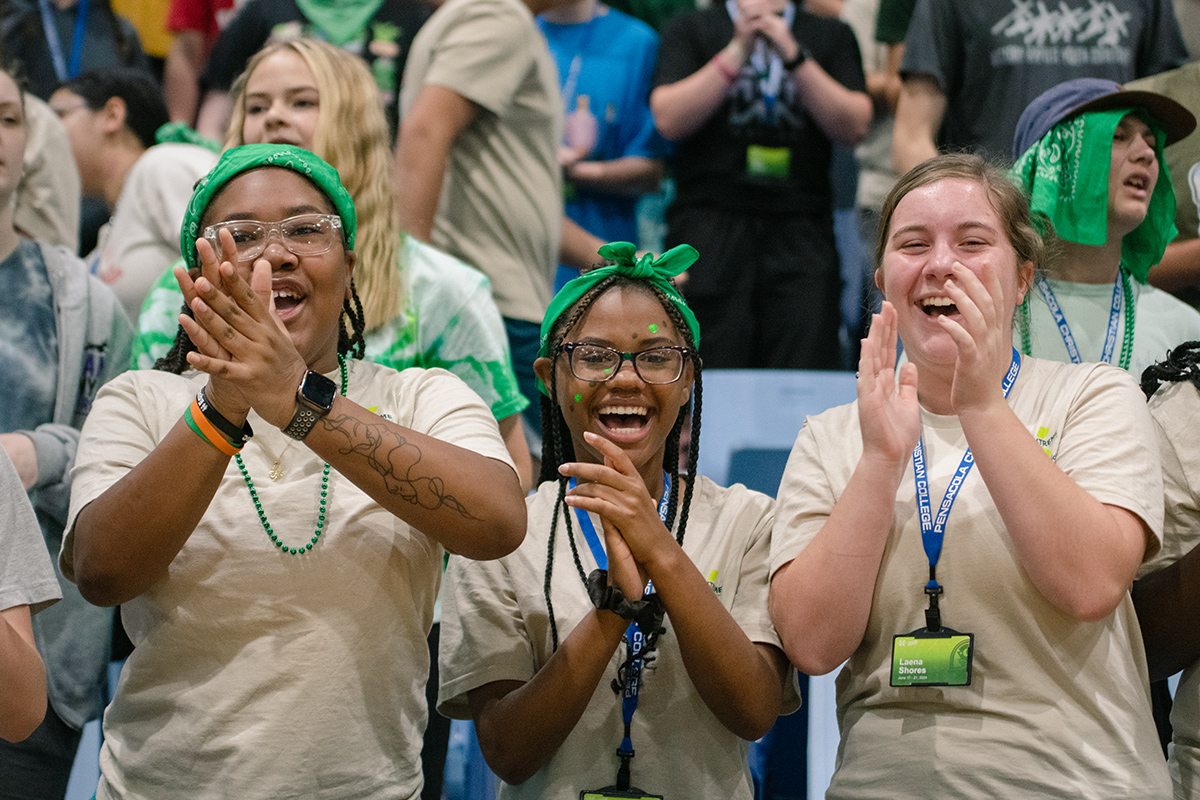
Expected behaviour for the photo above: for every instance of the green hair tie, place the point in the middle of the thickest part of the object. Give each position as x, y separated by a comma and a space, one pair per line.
656, 272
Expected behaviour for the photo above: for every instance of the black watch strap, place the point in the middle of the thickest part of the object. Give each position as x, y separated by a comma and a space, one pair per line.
801, 56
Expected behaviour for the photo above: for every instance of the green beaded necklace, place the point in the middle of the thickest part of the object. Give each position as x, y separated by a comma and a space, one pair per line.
1023, 322
262, 516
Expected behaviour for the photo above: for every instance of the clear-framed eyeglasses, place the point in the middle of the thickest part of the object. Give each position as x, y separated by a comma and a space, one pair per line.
303, 235
597, 363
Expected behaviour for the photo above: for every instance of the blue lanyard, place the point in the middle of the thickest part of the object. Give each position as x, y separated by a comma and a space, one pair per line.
633, 634
1064, 330
933, 529
62, 68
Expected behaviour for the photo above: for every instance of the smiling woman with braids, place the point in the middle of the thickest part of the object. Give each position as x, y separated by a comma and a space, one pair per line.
279, 611
532, 642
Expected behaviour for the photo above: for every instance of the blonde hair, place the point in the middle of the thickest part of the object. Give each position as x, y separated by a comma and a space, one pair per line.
352, 135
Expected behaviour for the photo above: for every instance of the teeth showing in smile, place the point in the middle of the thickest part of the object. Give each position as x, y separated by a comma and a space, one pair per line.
626, 420
1137, 182
938, 305
286, 298
633, 410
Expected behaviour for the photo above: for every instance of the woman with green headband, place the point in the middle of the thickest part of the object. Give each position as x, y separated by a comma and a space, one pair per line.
1090, 159
278, 609
632, 620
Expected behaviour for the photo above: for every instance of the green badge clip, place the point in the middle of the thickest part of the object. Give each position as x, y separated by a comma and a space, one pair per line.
932, 659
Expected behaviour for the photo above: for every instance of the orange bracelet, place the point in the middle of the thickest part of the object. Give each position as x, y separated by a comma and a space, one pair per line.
207, 431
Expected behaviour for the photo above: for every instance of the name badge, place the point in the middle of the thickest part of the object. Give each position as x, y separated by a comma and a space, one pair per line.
613, 794
768, 162
922, 658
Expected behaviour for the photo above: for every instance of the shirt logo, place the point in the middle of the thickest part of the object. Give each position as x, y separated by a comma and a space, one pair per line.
1071, 34
1046, 439
382, 414
712, 582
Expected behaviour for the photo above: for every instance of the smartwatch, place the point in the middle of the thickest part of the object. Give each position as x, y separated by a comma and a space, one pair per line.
314, 399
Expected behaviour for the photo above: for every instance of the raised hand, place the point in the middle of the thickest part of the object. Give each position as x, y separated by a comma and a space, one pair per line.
615, 491
983, 335
888, 412
774, 29
747, 26
241, 342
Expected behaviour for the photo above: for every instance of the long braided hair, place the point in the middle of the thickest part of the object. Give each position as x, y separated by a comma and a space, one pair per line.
558, 449
1181, 364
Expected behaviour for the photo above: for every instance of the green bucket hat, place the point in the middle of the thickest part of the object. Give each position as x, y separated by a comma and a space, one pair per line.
656, 272
238, 160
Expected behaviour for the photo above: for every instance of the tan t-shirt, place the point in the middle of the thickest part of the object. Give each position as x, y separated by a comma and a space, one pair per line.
258, 674
495, 627
501, 206
1176, 412
1056, 707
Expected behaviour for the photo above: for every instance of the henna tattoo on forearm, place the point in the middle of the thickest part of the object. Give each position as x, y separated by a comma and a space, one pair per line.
394, 457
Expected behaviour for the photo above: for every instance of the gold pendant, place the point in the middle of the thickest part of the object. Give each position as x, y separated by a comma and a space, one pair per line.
276, 471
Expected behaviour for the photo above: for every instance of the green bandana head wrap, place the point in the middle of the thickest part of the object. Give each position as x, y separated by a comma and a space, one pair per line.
1065, 177
655, 271
238, 160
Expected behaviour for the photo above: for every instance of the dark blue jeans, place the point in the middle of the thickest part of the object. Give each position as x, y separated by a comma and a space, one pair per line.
39, 767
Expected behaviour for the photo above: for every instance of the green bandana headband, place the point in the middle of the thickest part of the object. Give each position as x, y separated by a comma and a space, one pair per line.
655, 271
238, 160
1065, 177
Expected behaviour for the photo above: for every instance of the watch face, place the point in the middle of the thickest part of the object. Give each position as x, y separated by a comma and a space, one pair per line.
318, 390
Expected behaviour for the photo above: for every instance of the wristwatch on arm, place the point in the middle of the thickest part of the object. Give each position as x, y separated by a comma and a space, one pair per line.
801, 56
314, 399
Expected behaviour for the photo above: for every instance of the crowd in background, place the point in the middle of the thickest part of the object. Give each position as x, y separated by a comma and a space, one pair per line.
487, 150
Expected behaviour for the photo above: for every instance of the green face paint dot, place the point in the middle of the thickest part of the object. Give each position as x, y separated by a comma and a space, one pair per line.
653, 328
607, 370
578, 398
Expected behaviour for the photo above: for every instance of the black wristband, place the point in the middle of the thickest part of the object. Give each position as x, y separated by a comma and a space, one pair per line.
801, 56
236, 436
648, 612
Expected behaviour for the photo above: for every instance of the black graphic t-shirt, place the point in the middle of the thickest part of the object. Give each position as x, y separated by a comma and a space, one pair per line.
992, 58
761, 150
383, 43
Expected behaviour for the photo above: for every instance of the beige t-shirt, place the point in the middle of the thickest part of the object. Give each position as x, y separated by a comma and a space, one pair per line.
258, 674
495, 627
141, 241
1056, 707
1176, 412
501, 207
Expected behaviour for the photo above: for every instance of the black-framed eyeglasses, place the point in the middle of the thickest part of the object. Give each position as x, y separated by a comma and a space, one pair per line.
303, 235
597, 363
